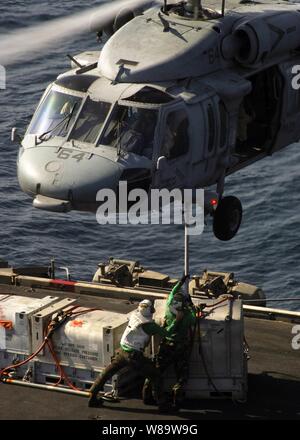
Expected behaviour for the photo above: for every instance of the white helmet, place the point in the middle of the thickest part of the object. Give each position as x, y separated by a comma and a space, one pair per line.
146, 307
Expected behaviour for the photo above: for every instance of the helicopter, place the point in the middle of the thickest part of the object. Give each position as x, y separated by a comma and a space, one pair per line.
179, 96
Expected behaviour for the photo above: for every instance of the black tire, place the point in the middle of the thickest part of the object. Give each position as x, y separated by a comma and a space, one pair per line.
227, 218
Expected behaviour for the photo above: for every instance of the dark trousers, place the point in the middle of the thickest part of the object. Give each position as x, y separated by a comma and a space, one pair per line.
136, 360
177, 355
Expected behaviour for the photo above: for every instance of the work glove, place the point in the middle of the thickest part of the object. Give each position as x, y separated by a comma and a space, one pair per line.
179, 315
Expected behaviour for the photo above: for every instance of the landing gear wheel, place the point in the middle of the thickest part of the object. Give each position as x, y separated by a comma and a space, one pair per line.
227, 218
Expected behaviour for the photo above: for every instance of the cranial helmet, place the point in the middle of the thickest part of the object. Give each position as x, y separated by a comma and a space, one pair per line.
146, 307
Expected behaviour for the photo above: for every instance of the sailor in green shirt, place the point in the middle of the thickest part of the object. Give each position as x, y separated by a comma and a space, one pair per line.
136, 337
175, 348
179, 315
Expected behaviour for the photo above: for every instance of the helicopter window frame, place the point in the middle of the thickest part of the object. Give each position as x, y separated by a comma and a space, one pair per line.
127, 103
212, 134
42, 100
56, 88
93, 144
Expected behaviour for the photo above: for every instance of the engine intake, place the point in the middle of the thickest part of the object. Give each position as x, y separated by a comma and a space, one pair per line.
260, 37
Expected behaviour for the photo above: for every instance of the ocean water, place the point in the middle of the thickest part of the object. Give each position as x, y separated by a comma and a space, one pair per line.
265, 252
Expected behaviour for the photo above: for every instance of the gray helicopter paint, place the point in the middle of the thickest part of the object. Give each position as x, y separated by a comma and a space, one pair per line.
85, 58
105, 90
158, 55
142, 52
66, 174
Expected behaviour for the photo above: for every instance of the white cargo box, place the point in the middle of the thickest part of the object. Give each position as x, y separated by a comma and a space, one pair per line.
88, 340
218, 367
18, 310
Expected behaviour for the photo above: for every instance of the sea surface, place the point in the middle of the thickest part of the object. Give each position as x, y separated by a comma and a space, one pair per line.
266, 251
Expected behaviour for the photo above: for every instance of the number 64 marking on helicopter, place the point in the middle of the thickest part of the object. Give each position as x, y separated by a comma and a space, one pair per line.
67, 153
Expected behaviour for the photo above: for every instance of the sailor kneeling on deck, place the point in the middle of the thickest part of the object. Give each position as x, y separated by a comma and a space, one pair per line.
135, 339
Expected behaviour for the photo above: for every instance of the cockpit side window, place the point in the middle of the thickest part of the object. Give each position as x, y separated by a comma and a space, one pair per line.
176, 138
55, 115
90, 121
132, 129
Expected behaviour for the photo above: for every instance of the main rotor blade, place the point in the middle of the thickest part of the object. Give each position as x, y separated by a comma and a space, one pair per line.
20, 43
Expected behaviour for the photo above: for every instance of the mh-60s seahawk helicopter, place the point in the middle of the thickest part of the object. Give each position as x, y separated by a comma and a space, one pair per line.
179, 97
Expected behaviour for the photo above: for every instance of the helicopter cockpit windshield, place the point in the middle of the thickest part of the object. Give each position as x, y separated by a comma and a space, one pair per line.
131, 130
128, 125
55, 115
90, 121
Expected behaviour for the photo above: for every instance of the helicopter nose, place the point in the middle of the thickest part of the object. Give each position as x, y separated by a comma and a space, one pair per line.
72, 176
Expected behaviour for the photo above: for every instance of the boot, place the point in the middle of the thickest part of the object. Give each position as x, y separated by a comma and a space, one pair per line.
147, 395
95, 402
178, 396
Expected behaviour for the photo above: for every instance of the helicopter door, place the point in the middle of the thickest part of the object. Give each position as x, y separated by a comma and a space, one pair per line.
172, 158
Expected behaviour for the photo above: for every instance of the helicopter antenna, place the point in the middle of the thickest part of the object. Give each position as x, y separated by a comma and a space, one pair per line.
74, 60
165, 23
165, 6
195, 7
223, 7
